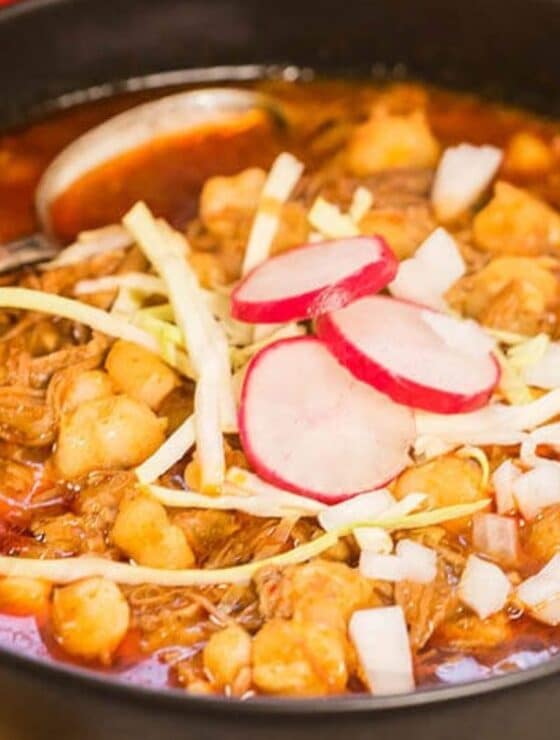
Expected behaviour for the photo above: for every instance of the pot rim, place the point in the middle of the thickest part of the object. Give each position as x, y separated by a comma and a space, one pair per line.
174, 698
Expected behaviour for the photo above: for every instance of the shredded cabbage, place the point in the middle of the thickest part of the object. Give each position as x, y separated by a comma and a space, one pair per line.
136, 281
241, 355
478, 454
126, 304
110, 324
362, 201
526, 354
511, 385
66, 570
233, 498
282, 179
172, 450
90, 244
495, 424
214, 401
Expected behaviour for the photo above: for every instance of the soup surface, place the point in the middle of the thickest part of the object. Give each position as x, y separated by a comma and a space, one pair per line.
132, 533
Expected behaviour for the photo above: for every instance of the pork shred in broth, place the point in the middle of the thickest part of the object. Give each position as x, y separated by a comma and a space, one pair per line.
79, 410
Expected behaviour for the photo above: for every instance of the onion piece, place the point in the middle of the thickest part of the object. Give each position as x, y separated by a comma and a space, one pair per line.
374, 539
172, 450
361, 508
425, 277
484, 587
412, 562
381, 640
503, 479
541, 593
381, 567
329, 220
496, 536
535, 490
362, 201
420, 561
284, 174
463, 174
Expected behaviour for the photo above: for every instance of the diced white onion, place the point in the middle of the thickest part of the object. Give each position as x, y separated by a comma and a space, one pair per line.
428, 275
411, 562
382, 567
538, 488
329, 220
484, 587
381, 640
503, 479
374, 539
284, 174
362, 201
420, 561
361, 508
541, 593
496, 536
463, 174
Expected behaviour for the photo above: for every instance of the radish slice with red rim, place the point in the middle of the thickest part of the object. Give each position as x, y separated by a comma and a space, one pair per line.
307, 425
415, 355
313, 279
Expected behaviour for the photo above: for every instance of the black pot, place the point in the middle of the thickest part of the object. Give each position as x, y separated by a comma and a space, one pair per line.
49, 48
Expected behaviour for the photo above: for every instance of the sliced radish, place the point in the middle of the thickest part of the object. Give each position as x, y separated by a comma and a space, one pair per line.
416, 356
313, 279
309, 426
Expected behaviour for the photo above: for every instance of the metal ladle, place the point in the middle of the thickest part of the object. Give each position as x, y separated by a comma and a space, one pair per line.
123, 133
